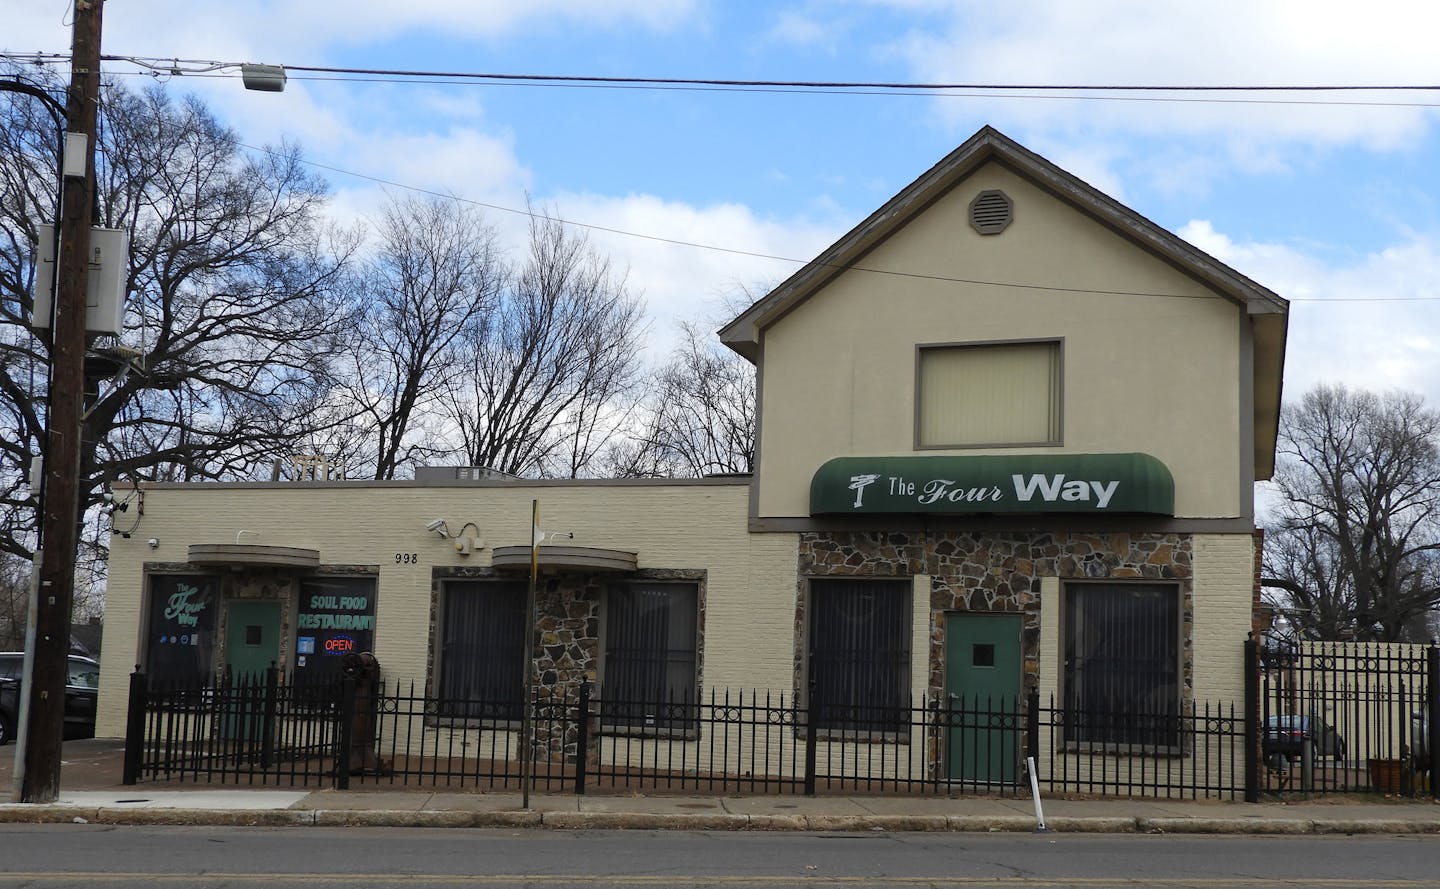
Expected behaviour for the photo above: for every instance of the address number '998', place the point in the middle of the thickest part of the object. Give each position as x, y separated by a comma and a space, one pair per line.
407, 558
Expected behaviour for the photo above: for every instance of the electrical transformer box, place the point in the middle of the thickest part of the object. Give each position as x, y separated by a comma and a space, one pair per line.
105, 285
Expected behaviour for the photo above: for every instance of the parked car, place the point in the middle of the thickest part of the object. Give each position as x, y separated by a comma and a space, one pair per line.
1287, 736
80, 691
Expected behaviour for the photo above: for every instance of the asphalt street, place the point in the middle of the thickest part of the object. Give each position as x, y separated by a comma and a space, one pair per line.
93, 855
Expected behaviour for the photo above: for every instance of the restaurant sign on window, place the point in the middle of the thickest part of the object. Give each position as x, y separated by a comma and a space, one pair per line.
181, 639
336, 617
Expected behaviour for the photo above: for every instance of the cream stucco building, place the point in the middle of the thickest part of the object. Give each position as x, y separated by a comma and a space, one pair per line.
1008, 436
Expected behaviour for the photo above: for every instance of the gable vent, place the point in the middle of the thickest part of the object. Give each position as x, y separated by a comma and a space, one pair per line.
991, 212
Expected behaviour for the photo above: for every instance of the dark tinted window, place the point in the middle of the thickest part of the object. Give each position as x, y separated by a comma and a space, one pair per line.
481, 649
1122, 663
181, 637
650, 633
860, 653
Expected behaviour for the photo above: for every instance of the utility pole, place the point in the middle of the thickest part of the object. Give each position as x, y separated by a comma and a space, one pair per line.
60, 506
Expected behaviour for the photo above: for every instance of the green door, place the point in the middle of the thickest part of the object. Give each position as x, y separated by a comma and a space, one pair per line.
982, 678
252, 644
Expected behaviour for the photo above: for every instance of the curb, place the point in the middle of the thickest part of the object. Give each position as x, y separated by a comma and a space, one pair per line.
44, 814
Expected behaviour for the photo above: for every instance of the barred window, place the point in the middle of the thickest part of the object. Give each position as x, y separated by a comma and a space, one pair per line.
860, 654
482, 649
1122, 664
650, 655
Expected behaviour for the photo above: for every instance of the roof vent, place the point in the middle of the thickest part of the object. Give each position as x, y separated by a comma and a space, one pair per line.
991, 212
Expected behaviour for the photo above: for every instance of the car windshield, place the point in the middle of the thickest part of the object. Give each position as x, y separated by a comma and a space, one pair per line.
84, 674
1287, 722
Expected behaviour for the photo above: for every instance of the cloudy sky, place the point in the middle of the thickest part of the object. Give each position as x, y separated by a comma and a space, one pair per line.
1332, 199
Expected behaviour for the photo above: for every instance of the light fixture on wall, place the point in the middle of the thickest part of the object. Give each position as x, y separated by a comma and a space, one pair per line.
465, 544
153, 542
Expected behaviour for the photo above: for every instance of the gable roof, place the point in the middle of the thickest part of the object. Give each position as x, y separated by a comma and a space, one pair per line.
1267, 310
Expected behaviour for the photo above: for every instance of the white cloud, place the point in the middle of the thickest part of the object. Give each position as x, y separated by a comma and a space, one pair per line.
795, 28
1356, 322
1224, 42
690, 283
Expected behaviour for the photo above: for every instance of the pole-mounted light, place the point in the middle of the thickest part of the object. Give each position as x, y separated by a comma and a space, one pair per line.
264, 78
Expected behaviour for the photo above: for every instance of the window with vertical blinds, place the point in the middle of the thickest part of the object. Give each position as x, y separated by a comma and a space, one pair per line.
482, 649
1122, 663
860, 654
1000, 394
650, 657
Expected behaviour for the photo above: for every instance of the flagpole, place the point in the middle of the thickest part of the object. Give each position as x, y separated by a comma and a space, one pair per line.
528, 647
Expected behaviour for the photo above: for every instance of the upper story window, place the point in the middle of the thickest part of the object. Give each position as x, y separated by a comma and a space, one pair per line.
995, 394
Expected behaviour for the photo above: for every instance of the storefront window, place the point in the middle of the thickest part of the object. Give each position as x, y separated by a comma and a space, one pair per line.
336, 617
650, 634
181, 638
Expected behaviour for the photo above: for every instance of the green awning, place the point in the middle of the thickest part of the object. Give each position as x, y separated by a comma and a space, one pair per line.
1029, 483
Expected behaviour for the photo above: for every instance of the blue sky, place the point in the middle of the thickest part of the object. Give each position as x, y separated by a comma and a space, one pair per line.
1320, 197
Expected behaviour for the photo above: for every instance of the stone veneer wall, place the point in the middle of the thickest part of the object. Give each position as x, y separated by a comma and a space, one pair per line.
999, 571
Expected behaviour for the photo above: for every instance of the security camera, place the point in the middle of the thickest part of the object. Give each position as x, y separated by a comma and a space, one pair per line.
436, 525
153, 542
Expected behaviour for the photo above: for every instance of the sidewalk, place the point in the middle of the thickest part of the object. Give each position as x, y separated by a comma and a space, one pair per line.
91, 792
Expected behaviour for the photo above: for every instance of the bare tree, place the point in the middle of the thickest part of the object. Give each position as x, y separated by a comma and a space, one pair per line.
424, 296
1354, 546
14, 601
551, 376
233, 308
700, 417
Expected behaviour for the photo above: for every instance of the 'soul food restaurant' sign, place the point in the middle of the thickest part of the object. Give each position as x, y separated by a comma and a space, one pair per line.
1032, 483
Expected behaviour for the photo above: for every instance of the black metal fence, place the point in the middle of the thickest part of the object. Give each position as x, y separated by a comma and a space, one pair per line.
1316, 718
252, 730
1348, 717
267, 730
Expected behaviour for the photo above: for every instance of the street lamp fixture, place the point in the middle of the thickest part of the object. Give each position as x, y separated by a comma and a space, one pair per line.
264, 78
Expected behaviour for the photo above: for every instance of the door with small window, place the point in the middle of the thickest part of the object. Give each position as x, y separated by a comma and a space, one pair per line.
982, 679
252, 645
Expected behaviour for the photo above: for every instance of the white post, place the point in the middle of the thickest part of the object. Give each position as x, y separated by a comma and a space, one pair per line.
1035, 794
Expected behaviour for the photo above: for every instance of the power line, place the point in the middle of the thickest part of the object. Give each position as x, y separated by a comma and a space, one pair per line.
207, 68
179, 67
1320, 103
855, 84
801, 262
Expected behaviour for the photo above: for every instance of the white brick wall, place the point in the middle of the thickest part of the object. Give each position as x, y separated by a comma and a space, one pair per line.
1223, 598
750, 599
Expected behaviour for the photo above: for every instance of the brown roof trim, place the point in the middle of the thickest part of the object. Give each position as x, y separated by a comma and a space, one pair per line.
989, 144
